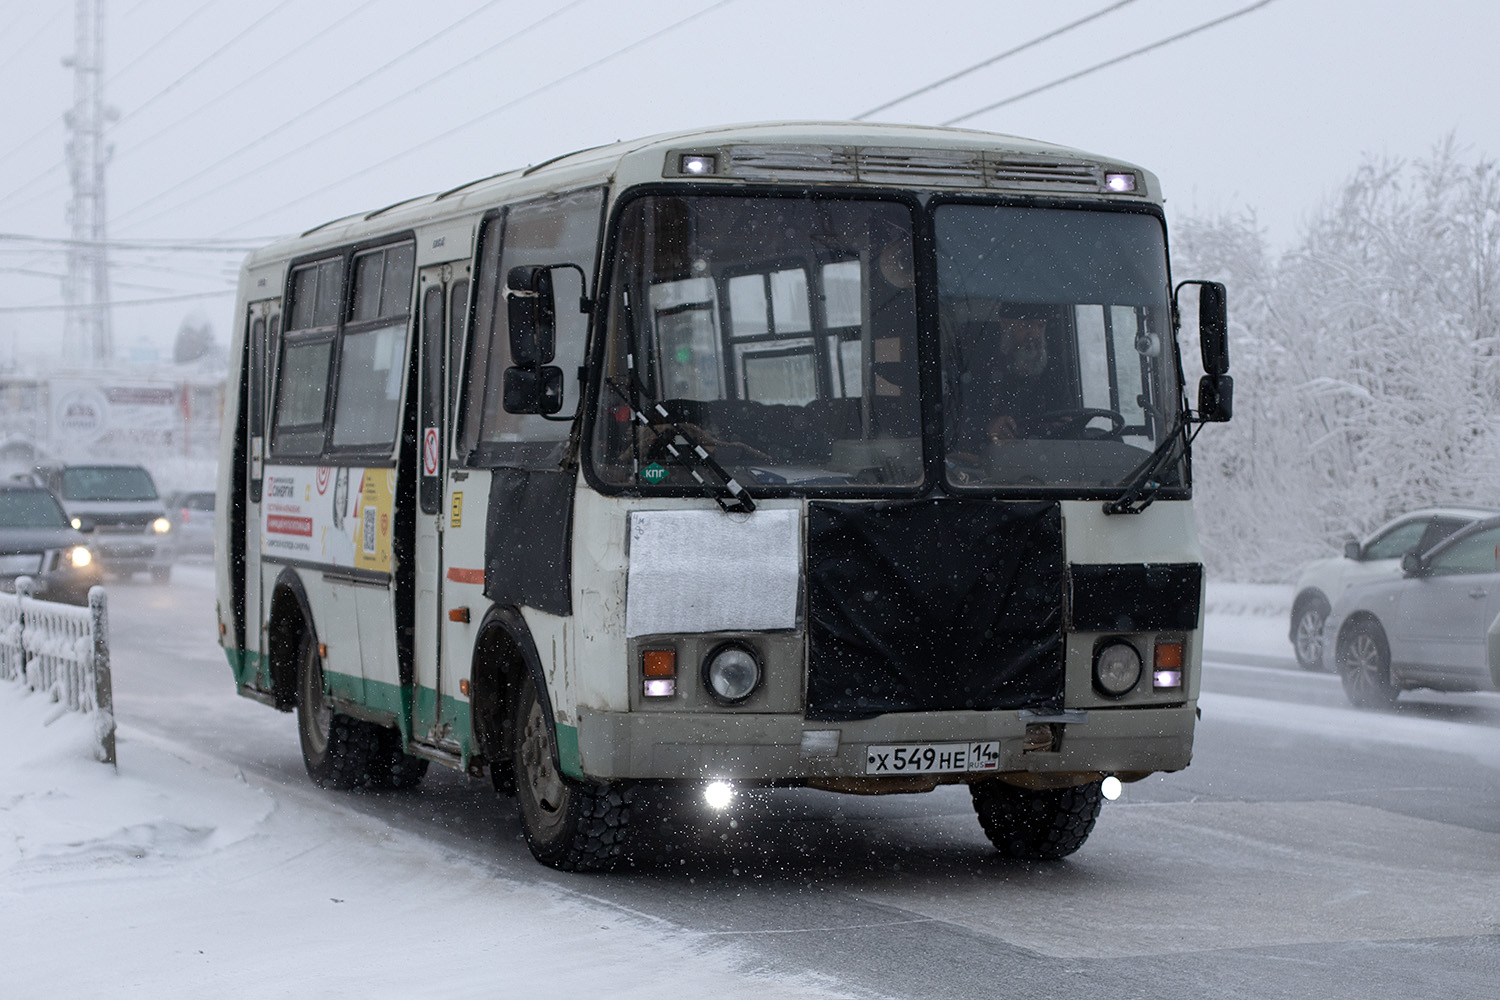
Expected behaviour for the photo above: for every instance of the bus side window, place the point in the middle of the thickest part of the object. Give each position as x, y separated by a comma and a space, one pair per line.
302, 369
557, 230
458, 321
257, 385
367, 407
430, 492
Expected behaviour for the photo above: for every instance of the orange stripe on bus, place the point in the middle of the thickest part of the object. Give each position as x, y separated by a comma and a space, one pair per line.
466, 575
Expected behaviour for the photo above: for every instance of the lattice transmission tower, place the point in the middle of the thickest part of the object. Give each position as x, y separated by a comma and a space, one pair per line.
87, 338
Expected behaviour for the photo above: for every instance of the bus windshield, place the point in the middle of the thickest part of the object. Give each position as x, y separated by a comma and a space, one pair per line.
1058, 365
778, 332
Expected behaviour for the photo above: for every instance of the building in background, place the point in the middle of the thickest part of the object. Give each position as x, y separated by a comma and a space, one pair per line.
163, 417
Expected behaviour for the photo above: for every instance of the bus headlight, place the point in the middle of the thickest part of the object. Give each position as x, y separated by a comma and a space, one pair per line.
79, 557
731, 673
161, 526
1117, 668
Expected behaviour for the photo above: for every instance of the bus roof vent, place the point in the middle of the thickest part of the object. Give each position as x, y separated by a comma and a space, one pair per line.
932, 168
792, 163
1037, 174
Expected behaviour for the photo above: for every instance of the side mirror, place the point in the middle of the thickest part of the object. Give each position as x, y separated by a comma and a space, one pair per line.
1215, 399
1412, 565
1213, 324
532, 312
533, 390
1351, 549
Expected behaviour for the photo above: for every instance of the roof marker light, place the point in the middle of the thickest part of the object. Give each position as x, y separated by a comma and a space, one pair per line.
1120, 183
697, 164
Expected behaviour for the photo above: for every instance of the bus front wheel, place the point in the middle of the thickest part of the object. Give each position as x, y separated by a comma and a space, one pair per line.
1041, 824
570, 825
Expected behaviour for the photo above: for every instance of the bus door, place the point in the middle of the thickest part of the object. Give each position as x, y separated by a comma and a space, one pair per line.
443, 299
262, 332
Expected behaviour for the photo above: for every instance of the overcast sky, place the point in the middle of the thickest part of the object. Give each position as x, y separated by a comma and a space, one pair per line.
246, 119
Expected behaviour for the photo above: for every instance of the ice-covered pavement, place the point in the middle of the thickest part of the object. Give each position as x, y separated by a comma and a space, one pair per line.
177, 877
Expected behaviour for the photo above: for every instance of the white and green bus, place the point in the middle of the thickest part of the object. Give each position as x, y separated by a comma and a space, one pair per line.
844, 456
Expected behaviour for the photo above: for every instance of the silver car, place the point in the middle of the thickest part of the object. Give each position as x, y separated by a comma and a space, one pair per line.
1433, 626
1378, 557
192, 515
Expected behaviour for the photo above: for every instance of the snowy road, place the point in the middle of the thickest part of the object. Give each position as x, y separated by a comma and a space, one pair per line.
1311, 849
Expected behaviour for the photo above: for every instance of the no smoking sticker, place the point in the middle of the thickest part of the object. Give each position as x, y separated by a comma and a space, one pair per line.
430, 452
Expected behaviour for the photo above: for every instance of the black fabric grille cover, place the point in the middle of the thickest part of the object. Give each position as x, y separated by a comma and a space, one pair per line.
1136, 598
933, 605
528, 540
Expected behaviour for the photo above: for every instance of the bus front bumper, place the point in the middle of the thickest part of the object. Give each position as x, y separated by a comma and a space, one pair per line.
788, 748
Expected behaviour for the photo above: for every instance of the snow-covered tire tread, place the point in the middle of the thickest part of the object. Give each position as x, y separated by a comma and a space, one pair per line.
1037, 825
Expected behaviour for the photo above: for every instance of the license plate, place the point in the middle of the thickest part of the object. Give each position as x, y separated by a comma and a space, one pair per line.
15, 565
932, 758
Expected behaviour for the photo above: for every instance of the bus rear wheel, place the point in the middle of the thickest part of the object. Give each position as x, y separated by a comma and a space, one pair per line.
569, 825
338, 751
1041, 824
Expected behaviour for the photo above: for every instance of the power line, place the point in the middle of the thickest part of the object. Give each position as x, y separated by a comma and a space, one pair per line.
216, 53
208, 245
160, 41
58, 10
14, 192
18, 190
120, 305
257, 76
234, 155
1109, 62
493, 111
994, 59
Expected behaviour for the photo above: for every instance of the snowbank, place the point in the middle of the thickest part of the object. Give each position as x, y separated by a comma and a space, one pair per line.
178, 877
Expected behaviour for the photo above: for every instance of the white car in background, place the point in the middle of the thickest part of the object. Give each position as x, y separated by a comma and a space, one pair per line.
1433, 625
1378, 557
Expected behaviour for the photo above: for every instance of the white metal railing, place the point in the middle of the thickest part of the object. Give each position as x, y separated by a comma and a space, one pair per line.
63, 650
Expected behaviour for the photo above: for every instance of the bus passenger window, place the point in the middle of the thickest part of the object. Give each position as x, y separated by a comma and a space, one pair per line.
458, 321
299, 383
367, 407
302, 389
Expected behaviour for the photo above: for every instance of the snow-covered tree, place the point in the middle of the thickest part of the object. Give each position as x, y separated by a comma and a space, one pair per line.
1365, 361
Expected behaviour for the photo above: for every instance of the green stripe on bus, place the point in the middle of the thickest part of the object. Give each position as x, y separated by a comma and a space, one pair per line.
391, 699
568, 757
246, 665
249, 669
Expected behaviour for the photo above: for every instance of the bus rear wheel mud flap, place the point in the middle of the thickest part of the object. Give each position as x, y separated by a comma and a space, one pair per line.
1041, 824
569, 825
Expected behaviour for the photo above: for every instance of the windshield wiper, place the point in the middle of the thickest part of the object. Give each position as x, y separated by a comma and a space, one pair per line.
1142, 484
691, 455
729, 494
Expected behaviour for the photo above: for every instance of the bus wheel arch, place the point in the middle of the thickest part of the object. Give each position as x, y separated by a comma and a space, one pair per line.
289, 617
504, 653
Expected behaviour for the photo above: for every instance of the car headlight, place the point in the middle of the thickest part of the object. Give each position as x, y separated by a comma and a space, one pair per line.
161, 526
1117, 668
731, 673
79, 557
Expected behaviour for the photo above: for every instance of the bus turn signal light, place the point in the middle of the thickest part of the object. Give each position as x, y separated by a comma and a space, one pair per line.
659, 672
1166, 668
